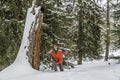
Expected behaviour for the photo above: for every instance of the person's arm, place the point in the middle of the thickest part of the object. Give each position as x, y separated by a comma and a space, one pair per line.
50, 52
64, 51
45, 52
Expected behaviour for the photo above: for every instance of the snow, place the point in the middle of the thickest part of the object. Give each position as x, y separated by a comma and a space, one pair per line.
115, 53
96, 70
21, 69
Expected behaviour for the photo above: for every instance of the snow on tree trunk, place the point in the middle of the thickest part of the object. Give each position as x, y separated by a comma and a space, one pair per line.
21, 65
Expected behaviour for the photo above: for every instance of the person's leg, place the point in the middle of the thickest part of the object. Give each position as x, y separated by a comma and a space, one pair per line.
55, 66
61, 67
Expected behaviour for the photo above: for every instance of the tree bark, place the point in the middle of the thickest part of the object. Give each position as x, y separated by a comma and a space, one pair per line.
80, 40
80, 59
108, 32
37, 40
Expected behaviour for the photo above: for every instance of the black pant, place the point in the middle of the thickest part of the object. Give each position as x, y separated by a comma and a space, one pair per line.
59, 65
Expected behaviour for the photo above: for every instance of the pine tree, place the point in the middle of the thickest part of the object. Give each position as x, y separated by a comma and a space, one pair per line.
116, 26
108, 32
89, 30
12, 18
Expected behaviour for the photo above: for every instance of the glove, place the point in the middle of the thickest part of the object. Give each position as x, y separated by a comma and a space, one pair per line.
44, 52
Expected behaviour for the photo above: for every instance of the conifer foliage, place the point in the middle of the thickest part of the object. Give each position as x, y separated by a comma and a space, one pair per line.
89, 20
77, 25
12, 18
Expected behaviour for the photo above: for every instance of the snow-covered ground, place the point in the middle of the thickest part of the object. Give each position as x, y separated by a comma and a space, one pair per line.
115, 53
21, 69
96, 70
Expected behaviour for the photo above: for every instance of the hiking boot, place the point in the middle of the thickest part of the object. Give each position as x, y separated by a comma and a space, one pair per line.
60, 67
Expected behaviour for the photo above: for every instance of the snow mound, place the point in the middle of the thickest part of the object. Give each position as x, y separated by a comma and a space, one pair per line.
96, 70
21, 65
116, 53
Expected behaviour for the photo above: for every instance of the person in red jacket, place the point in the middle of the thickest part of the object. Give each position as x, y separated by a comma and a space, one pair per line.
57, 55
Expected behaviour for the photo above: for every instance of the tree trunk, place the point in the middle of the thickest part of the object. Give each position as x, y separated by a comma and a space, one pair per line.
80, 59
80, 39
80, 44
108, 33
37, 40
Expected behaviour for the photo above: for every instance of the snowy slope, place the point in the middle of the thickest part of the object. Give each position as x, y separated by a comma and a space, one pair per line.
21, 66
88, 71
21, 69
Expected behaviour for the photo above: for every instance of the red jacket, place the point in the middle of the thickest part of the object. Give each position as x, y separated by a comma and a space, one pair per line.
57, 55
